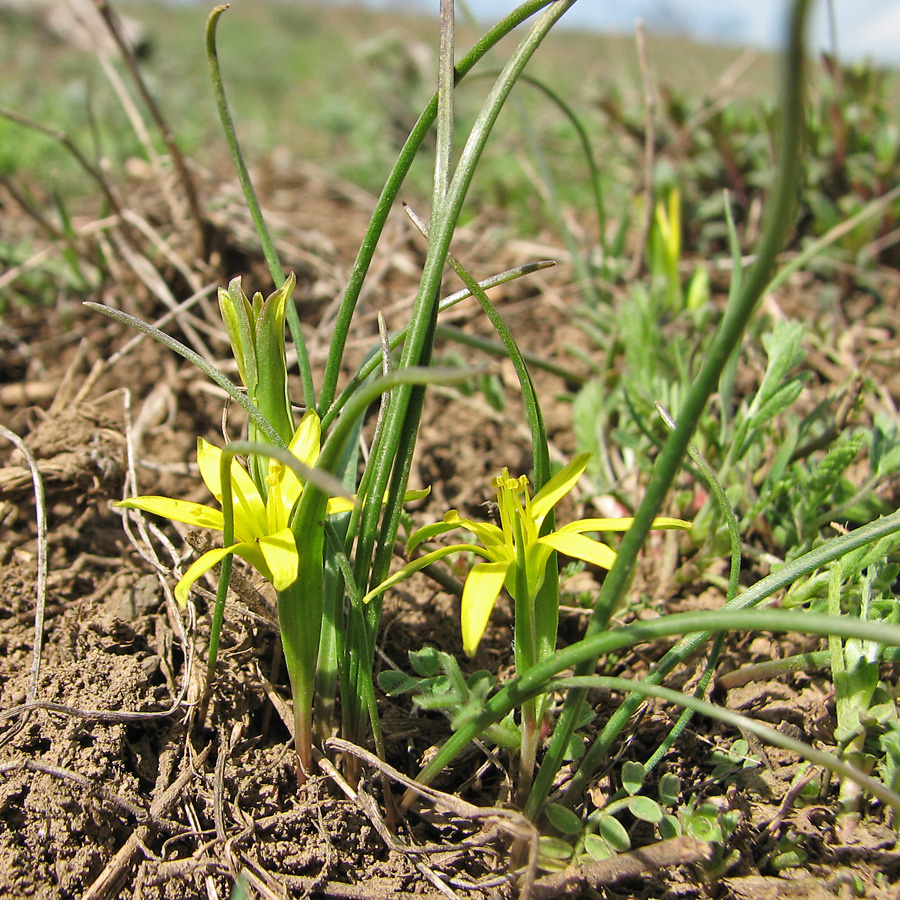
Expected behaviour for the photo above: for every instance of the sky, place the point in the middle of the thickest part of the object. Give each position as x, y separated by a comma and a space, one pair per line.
866, 29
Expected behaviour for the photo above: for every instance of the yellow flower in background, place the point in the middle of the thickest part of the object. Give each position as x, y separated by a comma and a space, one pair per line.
515, 543
261, 525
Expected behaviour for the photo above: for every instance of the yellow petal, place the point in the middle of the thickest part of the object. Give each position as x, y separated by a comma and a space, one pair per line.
579, 526
580, 547
282, 558
666, 522
177, 510
537, 555
557, 487
249, 506
427, 533
339, 505
479, 596
277, 509
203, 564
305, 445
488, 533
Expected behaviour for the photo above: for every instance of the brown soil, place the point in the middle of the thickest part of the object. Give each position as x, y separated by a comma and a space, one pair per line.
110, 789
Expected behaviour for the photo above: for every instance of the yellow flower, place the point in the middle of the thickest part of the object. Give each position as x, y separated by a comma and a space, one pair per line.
515, 543
261, 525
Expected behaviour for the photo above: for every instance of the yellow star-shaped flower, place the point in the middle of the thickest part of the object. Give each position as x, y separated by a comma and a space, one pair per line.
261, 525
517, 541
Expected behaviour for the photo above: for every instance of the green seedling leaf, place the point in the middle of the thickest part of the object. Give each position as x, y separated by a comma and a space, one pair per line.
669, 789
505, 734
727, 762
597, 848
585, 715
780, 400
879, 715
669, 827
729, 822
440, 694
704, 828
563, 819
884, 451
779, 467
645, 809
783, 346
491, 387
394, 683
632, 776
738, 752
613, 832
835, 463
789, 854
698, 291
575, 748
555, 849
426, 662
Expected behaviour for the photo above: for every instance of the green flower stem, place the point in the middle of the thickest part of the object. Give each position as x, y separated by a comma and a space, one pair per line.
780, 216
237, 395
399, 336
709, 623
262, 230
525, 648
389, 195
401, 424
331, 649
300, 611
538, 679
301, 606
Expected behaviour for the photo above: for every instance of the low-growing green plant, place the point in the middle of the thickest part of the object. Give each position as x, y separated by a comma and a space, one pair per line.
602, 834
868, 725
788, 498
852, 146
